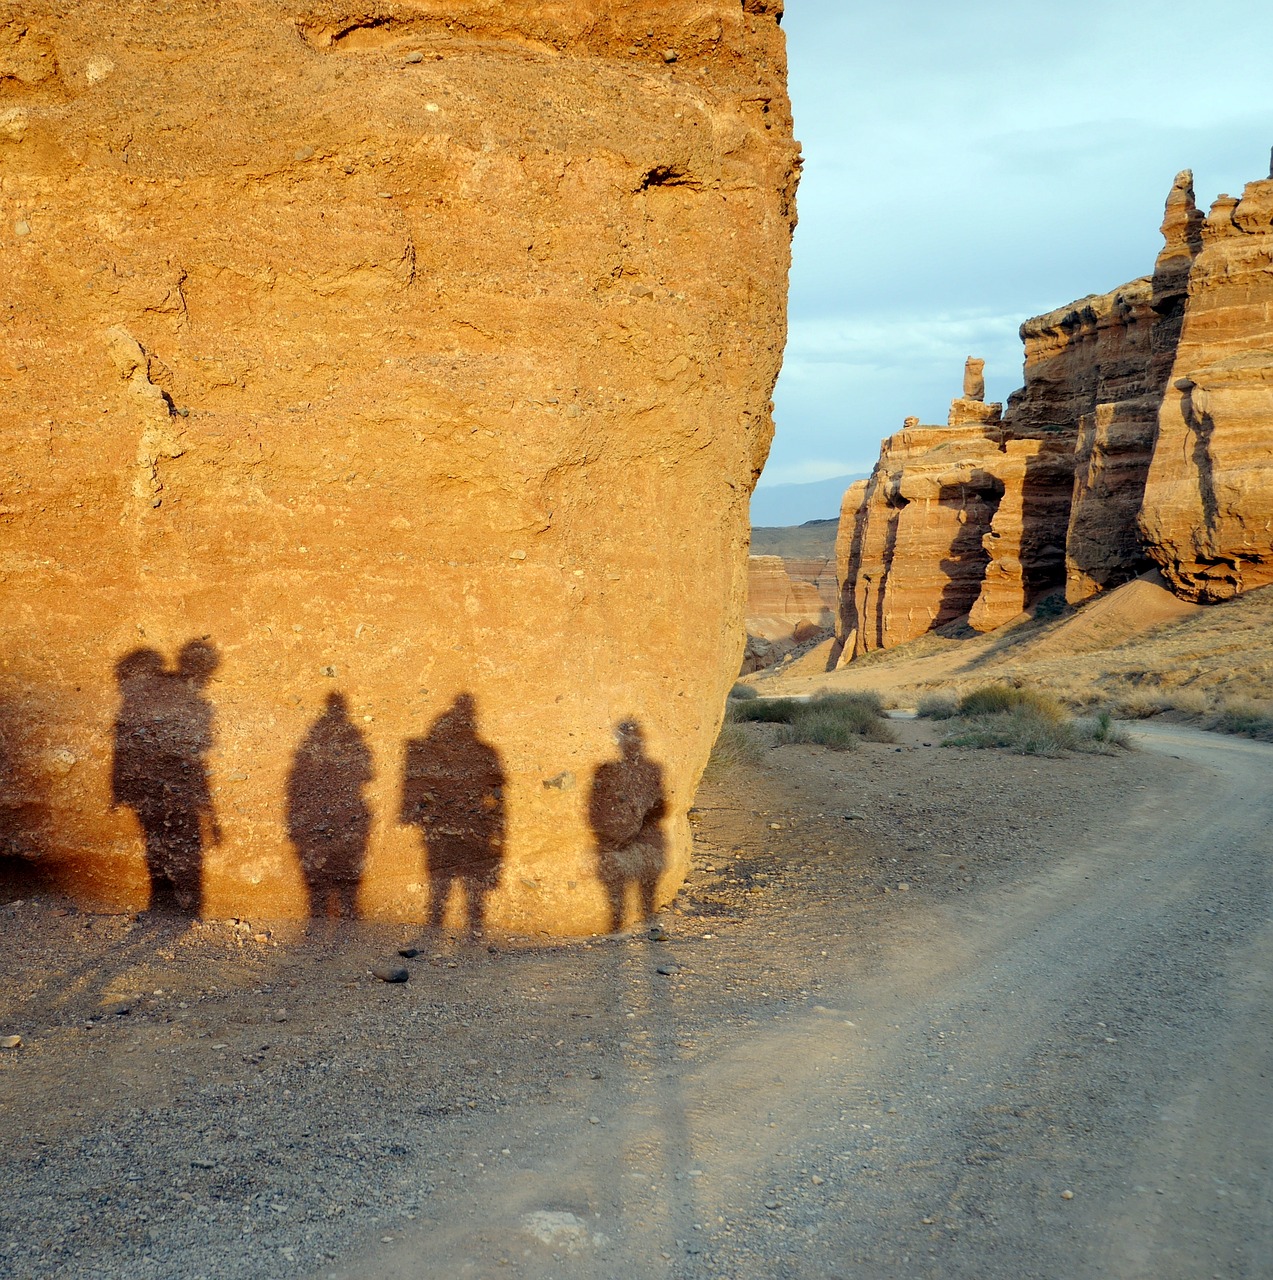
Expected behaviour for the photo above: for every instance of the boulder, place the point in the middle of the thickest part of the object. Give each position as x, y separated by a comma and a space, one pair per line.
383, 389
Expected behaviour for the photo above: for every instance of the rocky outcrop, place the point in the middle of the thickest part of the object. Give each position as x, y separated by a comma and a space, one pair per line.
1134, 333
1141, 437
1207, 514
779, 601
785, 608
913, 548
380, 382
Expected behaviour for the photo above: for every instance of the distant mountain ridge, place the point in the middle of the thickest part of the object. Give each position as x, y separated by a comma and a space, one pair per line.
792, 504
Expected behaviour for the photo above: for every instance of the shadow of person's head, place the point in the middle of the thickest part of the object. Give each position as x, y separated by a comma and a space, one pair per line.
140, 664
198, 661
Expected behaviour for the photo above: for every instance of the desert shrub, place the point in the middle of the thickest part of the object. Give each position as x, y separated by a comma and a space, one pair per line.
1250, 719
1100, 732
1190, 702
743, 693
1052, 606
1022, 728
825, 727
998, 699
1140, 706
734, 748
938, 706
764, 710
1032, 723
837, 720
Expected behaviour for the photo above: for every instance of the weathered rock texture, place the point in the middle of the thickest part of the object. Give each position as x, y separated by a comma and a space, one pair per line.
783, 595
1207, 516
915, 556
369, 371
1143, 435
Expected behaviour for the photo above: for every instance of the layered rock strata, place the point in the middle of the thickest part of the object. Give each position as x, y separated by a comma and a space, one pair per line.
913, 545
369, 373
787, 605
1207, 514
1142, 437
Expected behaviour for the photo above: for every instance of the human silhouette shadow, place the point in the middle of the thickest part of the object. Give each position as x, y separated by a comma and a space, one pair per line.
453, 790
626, 810
328, 820
163, 734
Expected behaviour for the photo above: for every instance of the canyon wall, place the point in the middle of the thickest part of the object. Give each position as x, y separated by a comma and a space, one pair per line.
1207, 515
788, 603
380, 382
1143, 436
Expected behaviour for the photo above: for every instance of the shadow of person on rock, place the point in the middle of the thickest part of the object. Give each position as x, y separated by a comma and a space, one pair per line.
328, 819
453, 790
162, 737
626, 810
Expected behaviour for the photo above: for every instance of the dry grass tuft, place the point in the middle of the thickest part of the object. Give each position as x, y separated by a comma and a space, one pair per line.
734, 749
837, 720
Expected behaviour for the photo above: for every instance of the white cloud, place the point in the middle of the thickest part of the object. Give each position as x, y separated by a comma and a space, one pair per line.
971, 165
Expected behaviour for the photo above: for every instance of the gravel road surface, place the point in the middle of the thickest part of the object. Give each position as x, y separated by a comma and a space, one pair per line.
919, 1012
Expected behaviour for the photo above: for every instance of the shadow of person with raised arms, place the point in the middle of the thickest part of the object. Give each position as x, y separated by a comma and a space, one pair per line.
163, 734
328, 819
453, 790
626, 811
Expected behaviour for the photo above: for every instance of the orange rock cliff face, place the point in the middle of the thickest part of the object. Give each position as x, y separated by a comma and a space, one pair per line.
368, 373
1207, 515
1143, 436
780, 601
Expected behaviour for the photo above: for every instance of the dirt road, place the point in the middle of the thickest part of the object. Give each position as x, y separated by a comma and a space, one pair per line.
819, 1073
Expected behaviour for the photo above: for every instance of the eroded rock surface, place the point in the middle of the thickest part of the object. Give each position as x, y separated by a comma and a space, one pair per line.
912, 550
1143, 435
1207, 516
787, 605
412, 361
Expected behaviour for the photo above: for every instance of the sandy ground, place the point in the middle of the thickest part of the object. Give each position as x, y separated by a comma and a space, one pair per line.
908, 1000
1136, 642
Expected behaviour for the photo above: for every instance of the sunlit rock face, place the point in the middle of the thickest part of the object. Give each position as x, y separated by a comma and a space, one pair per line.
382, 392
912, 552
785, 599
1143, 436
1207, 518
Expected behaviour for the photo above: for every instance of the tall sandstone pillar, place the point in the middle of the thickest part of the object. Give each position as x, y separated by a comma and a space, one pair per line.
381, 391
1207, 515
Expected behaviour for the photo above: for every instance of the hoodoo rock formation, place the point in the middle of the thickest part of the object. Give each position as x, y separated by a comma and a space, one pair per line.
368, 371
1143, 436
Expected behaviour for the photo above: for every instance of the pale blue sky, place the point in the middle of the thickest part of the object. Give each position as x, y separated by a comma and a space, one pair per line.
968, 165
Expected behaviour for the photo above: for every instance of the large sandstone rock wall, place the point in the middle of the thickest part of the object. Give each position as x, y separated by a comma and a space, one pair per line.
369, 369
1140, 325
781, 603
1141, 436
1207, 516
912, 549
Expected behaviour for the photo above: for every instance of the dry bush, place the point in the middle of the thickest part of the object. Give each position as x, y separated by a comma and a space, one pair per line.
1032, 723
743, 693
1246, 717
839, 720
998, 699
735, 748
937, 706
764, 710
1021, 729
